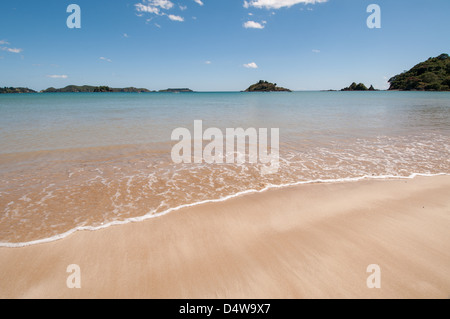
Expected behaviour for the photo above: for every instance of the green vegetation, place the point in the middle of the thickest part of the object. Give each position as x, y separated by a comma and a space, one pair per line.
132, 90
103, 89
184, 90
91, 89
264, 86
15, 90
358, 87
431, 75
71, 89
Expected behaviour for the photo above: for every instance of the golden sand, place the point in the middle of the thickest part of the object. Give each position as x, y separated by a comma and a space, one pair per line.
309, 241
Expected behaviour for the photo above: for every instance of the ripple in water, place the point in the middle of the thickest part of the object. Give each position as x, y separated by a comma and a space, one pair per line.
46, 194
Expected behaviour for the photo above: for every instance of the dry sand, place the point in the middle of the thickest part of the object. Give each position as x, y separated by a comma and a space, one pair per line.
310, 241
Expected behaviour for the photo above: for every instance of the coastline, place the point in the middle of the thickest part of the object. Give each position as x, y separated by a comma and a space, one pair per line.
304, 241
152, 215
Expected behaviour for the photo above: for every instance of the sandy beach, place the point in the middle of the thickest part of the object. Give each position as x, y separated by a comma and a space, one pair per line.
215, 150
309, 241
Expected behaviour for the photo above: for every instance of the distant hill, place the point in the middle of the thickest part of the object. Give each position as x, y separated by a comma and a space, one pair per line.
92, 89
358, 87
264, 86
431, 75
184, 90
6, 90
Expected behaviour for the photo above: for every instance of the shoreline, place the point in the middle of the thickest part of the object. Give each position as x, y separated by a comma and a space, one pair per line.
152, 215
221, 92
304, 241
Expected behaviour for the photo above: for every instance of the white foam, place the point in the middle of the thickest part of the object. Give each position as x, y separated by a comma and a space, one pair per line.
152, 214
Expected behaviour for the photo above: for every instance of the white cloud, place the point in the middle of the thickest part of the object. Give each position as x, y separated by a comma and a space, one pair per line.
157, 6
105, 59
4, 42
251, 65
125, 35
316, 51
143, 8
175, 18
163, 4
200, 2
208, 62
277, 4
154, 6
14, 50
253, 25
57, 76
11, 50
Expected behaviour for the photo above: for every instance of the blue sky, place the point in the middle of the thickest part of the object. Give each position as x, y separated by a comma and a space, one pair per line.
217, 45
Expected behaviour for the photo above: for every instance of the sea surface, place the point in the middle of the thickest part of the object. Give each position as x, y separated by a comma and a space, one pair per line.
87, 161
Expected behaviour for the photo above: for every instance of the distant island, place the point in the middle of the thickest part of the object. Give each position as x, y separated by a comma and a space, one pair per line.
184, 90
358, 87
264, 86
93, 89
6, 90
431, 75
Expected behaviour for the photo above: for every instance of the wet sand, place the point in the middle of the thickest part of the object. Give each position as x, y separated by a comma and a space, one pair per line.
308, 241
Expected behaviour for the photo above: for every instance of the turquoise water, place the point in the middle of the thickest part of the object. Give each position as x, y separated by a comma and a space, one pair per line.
86, 161
37, 122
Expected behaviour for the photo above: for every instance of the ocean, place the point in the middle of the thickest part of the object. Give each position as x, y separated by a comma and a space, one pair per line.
87, 161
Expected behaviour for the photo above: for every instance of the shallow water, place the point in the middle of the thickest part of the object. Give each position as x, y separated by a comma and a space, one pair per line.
85, 161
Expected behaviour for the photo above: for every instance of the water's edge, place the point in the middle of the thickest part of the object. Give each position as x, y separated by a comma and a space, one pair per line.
151, 215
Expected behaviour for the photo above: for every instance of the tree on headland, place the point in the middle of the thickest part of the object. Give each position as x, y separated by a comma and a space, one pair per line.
431, 75
103, 89
6, 90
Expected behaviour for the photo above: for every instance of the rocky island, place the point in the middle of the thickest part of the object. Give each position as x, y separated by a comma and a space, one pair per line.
431, 75
358, 87
264, 86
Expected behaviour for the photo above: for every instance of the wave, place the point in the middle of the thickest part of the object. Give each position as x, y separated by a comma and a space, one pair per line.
153, 214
